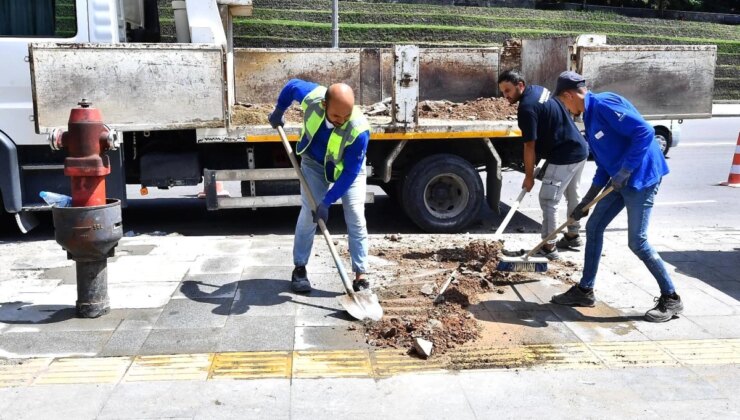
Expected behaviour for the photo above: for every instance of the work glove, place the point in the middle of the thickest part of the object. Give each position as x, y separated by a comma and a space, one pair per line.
620, 179
276, 117
579, 212
322, 212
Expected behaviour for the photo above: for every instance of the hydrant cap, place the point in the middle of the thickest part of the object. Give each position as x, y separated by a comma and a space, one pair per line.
84, 103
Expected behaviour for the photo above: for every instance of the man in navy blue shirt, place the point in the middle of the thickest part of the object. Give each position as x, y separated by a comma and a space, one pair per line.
332, 148
625, 151
548, 132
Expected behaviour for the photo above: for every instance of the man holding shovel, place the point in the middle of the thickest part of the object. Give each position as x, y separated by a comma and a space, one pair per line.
624, 149
549, 132
332, 147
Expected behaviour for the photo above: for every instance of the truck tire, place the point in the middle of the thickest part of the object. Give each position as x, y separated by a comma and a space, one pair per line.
442, 193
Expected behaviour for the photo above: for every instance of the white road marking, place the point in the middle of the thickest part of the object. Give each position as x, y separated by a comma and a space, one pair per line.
702, 144
667, 203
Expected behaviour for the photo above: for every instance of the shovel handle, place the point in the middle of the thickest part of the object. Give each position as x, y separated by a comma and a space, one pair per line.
567, 222
515, 205
312, 202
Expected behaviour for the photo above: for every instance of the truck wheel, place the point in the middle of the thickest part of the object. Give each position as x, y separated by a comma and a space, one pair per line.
442, 193
662, 138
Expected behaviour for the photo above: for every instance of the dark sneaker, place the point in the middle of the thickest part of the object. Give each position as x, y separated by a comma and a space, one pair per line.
550, 255
668, 307
575, 296
299, 280
565, 242
360, 285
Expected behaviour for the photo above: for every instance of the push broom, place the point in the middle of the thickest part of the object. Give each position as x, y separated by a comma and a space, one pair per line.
527, 263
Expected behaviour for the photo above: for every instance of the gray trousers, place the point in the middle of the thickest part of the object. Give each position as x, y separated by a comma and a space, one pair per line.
559, 180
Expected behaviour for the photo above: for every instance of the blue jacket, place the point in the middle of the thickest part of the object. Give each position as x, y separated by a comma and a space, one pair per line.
619, 138
354, 154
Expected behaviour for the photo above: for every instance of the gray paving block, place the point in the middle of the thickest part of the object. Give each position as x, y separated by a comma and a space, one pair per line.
561, 394
67, 274
53, 344
266, 399
23, 313
681, 328
231, 247
82, 401
133, 295
203, 289
148, 268
273, 256
156, 400
217, 265
727, 292
257, 333
329, 338
60, 319
725, 378
200, 313
699, 303
181, 341
320, 311
536, 325
125, 343
669, 384
600, 323
7, 397
263, 293
724, 326
137, 319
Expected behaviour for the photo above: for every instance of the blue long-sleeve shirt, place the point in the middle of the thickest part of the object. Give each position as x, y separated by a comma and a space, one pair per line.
619, 138
354, 154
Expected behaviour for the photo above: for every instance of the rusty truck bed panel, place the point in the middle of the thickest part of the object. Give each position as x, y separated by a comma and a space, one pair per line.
663, 82
136, 86
457, 75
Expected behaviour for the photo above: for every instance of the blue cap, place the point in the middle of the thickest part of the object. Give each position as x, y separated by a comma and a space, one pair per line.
569, 80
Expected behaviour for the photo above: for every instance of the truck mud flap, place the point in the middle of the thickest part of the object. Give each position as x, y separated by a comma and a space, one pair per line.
10, 177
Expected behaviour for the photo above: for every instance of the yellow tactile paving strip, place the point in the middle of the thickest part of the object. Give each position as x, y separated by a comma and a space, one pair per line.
363, 363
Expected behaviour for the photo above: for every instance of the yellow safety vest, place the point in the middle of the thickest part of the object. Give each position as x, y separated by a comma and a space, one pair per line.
314, 115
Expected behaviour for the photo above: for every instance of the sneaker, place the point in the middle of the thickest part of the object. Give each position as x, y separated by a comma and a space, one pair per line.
360, 285
299, 280
552, 255
565, 242
668, 307
575, 296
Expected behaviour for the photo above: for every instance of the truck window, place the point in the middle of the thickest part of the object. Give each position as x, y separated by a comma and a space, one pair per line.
38, 18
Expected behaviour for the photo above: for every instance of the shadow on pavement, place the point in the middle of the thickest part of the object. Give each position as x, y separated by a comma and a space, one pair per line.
249, 294
530, 314
26, 313
714, 268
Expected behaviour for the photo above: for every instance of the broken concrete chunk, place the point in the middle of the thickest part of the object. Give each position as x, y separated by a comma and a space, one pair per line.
436, 324
427, 289
423, 347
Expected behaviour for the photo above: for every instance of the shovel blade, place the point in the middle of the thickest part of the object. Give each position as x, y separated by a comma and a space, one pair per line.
362, 305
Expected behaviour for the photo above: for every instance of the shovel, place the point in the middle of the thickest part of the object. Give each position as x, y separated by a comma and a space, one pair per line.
515, 206
361, 305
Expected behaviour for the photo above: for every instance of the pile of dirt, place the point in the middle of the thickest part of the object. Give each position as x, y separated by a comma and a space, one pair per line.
411, 298
256, 114
491, 109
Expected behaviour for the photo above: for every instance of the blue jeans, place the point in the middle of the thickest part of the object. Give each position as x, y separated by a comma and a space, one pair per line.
639, 204
353, 203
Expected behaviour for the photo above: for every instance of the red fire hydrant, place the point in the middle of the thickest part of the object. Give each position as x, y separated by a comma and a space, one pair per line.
89, 230
86, 141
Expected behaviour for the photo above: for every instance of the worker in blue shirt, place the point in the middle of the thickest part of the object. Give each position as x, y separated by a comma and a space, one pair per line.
548, 132
624, 149
332, 148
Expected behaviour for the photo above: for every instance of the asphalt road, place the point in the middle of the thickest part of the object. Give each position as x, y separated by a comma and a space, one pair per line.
689, 198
